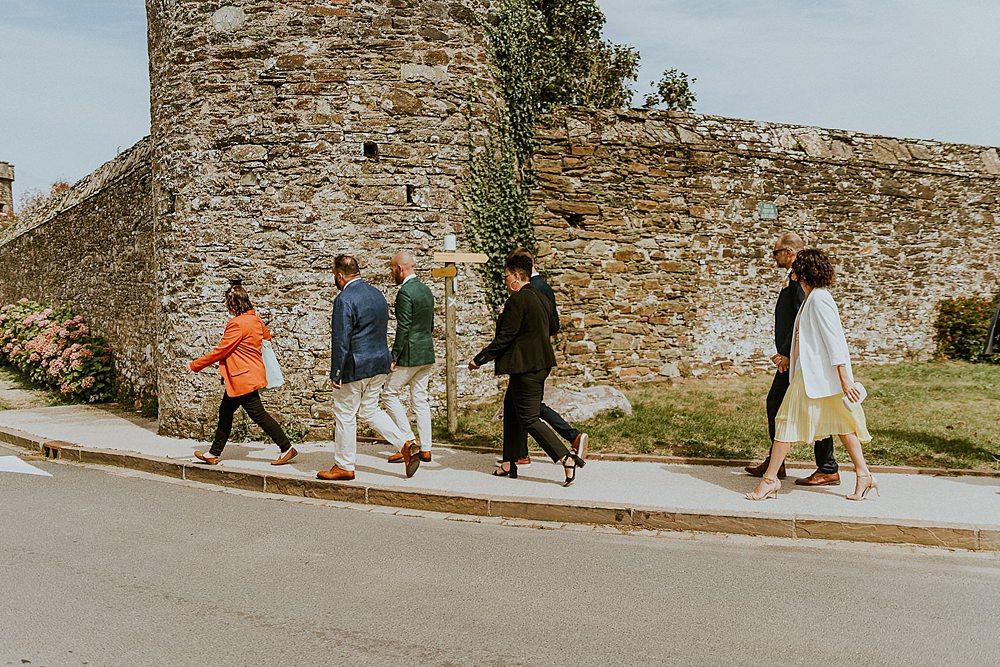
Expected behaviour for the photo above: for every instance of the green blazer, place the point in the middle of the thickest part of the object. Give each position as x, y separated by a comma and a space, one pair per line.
414, 343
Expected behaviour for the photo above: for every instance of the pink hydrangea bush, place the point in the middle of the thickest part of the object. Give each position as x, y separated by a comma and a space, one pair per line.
54, 348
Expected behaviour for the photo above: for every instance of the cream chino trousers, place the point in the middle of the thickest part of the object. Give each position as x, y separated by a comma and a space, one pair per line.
356, 399
413, 380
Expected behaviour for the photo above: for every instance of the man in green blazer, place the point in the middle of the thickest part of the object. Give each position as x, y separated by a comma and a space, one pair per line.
412, 354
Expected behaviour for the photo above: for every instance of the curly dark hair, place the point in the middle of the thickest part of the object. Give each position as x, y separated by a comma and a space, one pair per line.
814, 268
237, 299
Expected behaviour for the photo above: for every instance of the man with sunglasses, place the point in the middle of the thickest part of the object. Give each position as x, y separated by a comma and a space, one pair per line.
790, 299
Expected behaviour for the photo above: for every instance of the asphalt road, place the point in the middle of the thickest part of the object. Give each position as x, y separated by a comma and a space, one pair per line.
104, 569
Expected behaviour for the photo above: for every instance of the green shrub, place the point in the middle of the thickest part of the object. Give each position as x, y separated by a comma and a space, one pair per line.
961, 328
53, 348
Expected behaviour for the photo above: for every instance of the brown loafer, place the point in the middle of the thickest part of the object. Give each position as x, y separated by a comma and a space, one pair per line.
396, 458
336, 474
759, 470
411, 457
579, 447
425, 457
820, 479
526, 461
286, 457
206, 458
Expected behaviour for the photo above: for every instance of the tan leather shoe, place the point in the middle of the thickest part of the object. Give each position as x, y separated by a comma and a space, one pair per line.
759, 470
396, 458
580, 445
286, 457
820, 479
336, 474
526, 461
425, 457
411, 457
206, 458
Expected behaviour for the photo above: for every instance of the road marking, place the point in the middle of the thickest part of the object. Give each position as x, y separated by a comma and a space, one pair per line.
14, 464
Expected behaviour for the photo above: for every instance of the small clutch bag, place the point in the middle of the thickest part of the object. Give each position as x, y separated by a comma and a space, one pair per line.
862, 391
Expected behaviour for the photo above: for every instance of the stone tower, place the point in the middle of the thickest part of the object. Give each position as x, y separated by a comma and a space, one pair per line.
6, 190
286, 132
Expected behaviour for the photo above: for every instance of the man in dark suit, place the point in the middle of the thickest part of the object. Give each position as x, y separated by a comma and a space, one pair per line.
522, 349
789, 301
359, 365
578, 440
412, 354
993, 345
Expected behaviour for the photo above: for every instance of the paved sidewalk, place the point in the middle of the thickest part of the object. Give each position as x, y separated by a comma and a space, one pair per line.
925, 499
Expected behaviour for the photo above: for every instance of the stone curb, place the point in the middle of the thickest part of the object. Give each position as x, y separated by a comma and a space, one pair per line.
737, 463
952, 536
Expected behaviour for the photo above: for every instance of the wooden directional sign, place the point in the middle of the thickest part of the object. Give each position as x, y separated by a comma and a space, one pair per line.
461, 257
449, 271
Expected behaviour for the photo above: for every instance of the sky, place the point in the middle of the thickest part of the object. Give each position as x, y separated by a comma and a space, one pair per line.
74, 84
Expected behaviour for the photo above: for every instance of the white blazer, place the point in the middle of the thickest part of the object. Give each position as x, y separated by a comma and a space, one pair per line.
819, 345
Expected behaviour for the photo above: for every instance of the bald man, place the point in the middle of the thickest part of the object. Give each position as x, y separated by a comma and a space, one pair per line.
412, 354
790, 299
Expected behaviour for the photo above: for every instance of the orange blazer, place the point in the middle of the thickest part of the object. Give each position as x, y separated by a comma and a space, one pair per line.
238, 355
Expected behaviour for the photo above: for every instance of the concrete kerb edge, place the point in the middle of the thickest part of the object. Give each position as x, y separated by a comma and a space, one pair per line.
739, 463
950, 536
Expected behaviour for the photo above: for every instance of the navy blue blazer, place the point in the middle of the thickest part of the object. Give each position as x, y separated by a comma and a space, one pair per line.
360, 322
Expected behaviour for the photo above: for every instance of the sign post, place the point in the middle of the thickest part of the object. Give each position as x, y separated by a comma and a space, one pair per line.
451, 259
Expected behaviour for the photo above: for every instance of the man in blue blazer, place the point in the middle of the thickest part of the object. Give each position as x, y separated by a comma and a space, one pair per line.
359, 366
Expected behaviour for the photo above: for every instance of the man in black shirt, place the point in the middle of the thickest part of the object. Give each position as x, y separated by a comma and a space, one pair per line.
789, 301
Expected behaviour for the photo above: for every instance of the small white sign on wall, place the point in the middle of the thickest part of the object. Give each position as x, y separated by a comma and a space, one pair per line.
767, 211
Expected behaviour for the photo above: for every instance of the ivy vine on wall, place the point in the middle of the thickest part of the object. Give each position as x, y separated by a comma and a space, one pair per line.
543, 54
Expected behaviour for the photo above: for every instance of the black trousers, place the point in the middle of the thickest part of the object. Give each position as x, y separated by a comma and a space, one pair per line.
555, 420
522, 405
823, 449
255, 409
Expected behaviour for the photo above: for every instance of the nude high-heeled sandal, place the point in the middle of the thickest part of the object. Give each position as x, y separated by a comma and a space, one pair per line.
771, 486
872, 484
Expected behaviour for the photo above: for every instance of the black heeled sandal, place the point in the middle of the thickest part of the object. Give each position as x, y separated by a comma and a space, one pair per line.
509, 472
577, 463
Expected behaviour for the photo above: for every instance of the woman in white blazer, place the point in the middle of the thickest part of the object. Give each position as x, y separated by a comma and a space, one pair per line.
814, 407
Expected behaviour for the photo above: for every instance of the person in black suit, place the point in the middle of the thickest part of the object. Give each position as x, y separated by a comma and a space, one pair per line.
992, 346
578, 440
789, 301
522, 349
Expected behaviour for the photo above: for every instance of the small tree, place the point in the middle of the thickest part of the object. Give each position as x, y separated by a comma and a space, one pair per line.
673, 92
33, 201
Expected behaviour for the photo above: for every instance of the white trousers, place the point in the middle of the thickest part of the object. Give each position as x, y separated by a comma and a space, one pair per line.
413, 380
356, 399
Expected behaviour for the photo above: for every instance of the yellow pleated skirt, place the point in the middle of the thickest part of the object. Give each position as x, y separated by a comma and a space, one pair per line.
803, 419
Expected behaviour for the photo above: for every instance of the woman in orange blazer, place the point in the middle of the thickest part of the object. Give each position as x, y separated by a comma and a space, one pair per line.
243, 375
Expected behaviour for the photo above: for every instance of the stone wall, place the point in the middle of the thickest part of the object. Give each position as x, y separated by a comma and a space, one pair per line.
288, 132
92, 248
650, 228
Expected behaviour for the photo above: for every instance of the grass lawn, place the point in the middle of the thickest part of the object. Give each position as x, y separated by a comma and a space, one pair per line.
941, 414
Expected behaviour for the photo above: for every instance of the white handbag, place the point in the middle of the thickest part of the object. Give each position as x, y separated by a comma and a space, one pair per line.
861, 390
275, 378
